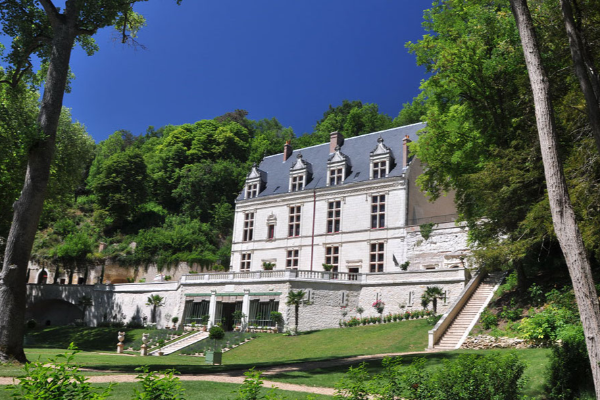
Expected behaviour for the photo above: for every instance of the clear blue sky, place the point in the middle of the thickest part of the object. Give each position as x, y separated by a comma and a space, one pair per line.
287, 59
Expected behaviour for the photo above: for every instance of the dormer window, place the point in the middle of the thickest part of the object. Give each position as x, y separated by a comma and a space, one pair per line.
381, 160
299, 174
337, 167
297, 183
255, 182
251, 190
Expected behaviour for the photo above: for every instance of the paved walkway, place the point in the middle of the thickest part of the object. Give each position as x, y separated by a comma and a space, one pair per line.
237, 376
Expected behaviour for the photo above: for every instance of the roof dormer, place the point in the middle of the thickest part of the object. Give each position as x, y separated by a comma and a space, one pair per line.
255, 182
338, 167
381, 160
299, 174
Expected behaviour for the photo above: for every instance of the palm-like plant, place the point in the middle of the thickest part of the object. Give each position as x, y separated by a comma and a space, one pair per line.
154, 301
431, 295
295, 298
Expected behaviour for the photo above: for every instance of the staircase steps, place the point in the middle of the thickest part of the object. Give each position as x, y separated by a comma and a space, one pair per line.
181, 343
468, 316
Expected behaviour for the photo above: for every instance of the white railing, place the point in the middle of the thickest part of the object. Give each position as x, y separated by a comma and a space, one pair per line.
294, 274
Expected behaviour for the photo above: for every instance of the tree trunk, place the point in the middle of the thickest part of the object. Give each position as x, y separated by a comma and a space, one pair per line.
577, 54
28, 208
563, 216
522, 281
297, 309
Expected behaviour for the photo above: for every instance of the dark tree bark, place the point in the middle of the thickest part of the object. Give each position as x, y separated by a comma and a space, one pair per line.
561, 208
28, 208
585, 75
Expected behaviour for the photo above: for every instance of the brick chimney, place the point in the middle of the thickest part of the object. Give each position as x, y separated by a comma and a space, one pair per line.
287, 151
405, 143
335, 139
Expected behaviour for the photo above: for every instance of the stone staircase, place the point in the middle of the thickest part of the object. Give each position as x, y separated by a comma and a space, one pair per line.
181, 343
470, 313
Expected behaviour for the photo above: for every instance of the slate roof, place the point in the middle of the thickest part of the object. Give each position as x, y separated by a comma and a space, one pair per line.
358, 149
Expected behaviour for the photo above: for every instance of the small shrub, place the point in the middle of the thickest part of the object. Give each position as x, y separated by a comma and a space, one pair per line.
252, 388
536, 294
569, 374
161, 385
31, 324
546, 325
426, 230
511, 313
216, 333
57, 378
488, 320
433, 319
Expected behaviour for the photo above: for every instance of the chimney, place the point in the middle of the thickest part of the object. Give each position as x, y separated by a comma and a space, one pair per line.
287, 151
335, 139
405, 143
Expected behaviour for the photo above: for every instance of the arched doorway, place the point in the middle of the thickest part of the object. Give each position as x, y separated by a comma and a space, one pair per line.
42, 277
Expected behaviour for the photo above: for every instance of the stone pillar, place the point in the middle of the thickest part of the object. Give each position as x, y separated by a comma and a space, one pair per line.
212, 309
121, 337
144, 348
246, 309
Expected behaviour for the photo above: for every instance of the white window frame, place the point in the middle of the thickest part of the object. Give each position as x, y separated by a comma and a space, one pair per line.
292, 259
378, 202
248, 230
376, 249
334, 215
294, 220
245, 262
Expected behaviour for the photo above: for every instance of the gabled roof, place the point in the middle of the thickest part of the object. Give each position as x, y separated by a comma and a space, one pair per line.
358, 149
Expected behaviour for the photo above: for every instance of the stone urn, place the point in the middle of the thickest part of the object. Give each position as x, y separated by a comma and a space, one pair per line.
121, 337
144, 347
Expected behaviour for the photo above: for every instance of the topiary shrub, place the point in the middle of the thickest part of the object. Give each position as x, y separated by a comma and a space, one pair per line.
216, 333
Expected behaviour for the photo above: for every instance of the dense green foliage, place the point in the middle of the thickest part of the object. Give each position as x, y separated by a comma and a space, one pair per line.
163, 197
481, 138
472, 377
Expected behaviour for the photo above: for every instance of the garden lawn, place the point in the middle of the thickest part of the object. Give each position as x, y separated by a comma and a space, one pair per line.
268, 349
194, 391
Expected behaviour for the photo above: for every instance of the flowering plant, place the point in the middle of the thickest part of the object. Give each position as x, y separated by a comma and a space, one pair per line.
379, 306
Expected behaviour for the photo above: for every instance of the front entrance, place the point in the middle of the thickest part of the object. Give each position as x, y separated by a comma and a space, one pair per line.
227, 316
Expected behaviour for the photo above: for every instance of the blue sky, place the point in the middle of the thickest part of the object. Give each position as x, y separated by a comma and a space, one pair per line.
287, 59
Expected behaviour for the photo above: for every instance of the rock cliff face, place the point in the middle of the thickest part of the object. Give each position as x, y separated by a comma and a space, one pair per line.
483, 342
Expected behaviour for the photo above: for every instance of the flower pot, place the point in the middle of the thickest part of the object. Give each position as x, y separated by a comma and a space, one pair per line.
213, 357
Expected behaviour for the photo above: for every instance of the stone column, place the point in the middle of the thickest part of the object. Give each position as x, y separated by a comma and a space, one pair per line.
246, 308
212, 309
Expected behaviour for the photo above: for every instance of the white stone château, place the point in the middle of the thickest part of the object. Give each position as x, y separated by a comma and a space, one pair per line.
352, 204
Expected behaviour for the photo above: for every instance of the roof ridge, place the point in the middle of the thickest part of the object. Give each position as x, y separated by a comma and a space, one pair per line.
354, 137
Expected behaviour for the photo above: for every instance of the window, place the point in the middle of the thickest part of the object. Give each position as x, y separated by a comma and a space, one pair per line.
377, 255
334, 214
378, 211
246, 261
248, 227
379, 169
252, 190
411, 298
297, 183
271, 232
332, 257
292, 259
336, 176
294, 224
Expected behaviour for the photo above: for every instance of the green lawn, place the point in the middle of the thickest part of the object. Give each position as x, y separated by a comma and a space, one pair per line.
194, 391
270, 350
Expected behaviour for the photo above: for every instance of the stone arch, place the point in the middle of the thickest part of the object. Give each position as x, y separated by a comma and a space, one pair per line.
53, 312
42, 277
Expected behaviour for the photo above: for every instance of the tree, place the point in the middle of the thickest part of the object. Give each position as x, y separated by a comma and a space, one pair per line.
155, 301
121, 187
39, 28
295, 298
431, 295
563, 216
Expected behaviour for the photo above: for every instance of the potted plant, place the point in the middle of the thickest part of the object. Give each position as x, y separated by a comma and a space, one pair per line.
215, 355
327, 267
277, 317
268, 266
204, 320
238, 320
175, 320
160, 343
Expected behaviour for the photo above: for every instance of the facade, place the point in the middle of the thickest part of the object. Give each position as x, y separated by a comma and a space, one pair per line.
351, 204
343, 203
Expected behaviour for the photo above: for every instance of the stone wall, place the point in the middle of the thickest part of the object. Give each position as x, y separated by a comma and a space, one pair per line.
484, 342
127, 302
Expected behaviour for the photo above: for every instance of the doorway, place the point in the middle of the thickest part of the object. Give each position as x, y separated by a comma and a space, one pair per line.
227, 316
